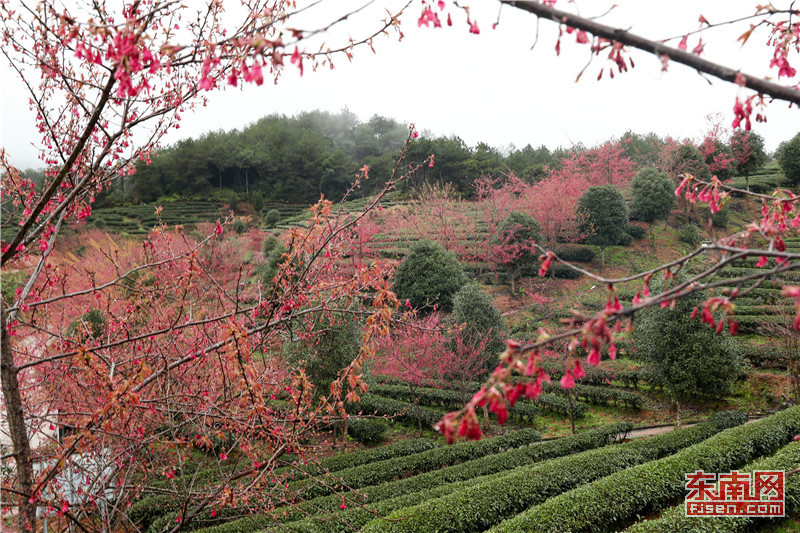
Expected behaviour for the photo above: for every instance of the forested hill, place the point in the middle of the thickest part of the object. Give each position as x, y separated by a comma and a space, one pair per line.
294, 159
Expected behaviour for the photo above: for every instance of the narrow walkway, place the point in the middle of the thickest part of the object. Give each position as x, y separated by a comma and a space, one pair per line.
649, 432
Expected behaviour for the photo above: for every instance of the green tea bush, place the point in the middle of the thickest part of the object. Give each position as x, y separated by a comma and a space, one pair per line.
575, 254
560, 271
269, 244
674, 519
496, 464
397, 468
616, 499
272, 217
636, 232
366, 431
150, 509
402, 412
690, 234
479, 507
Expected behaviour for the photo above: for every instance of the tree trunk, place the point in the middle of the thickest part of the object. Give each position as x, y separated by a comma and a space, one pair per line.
793, 379
413, 391
677, 414
16, 428
571, 410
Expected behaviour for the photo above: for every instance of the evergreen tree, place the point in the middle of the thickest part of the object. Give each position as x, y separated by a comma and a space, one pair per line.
482, 322
428, 276
653, 196
684, 355
789, 159
606, 217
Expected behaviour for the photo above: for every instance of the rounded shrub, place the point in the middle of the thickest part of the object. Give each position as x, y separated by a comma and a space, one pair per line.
637, 232
690, 234
269, 244
789, 159
272, 217
624, 239
239, 226
652, 196
720, 219
575, 254
92, 323
483, 321
560, 271
366, 431
428, 276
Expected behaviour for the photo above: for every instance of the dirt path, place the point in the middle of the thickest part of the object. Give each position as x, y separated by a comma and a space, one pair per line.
658, 430
649, 432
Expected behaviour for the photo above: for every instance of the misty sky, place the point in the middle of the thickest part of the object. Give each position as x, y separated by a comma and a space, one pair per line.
491, 87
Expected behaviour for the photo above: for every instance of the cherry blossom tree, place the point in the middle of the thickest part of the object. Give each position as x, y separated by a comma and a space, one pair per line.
606, 164
748, 152
715, 150
553, 201
415, 353
186, 342
465, 361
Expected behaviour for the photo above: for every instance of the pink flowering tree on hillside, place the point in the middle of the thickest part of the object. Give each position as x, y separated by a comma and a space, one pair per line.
607, 164
716, 151
436, 214
415, 353
465, 360
553, 201
106, 82
678, 158
748, 153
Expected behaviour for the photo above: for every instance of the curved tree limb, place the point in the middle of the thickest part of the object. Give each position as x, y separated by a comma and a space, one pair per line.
659, 49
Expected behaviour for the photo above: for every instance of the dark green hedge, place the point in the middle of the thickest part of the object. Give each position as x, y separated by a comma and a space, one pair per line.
356, 516
562, 271
366, 431
637, 232
396, 468
402, 412
380, 404
600, 395
674, 520
482, 506
621, 497
147, 510
575, 254
363, 457
595, 375
446, 398
496, 464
